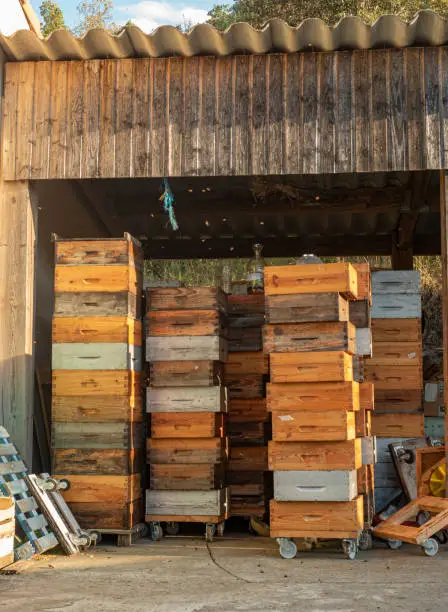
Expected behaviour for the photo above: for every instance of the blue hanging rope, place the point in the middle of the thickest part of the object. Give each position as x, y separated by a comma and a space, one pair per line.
167, 198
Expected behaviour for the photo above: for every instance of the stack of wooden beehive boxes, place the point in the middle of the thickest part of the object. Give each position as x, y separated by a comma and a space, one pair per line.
187, 449
248, 419
97, 411
396, 366
314, 452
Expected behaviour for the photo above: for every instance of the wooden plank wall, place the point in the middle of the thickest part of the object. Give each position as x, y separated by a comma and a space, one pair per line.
303, 113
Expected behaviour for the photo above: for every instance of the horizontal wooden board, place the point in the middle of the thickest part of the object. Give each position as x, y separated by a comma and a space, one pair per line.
324, 520
186, 399
323, 396
187, 425
98, 252
359, 313
101, 489
396, 377
396, 281
85, 409
245, 339
245, 320
97, 304
313, 426
179, 503
396, 306
186, 373
398, 425
309, 337
186, 298
249, 480
245, 386
96, 356
248, 458
198, 477
186, 348
97, 515
249, 362
96, 383
316, 486
185, 323
397, 353
364, 280
301, 308
244, 434
95, 279
398, 400
317, 278
396, 330
332, 366
121, 435
97, 461
367, 396
246, 304
346, 455
247, 410
187, 451
97, 329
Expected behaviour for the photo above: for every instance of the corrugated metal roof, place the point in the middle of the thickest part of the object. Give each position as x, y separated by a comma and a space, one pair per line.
426, 29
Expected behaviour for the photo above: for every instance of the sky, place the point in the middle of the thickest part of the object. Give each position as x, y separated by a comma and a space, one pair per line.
147, 14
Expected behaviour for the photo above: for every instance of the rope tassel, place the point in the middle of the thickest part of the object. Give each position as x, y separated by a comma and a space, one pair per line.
167, 198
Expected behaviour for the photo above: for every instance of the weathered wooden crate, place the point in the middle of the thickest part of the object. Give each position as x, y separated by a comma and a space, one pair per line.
97, 461
316, 486
318, 278
396, 377
110, 515
187, 425
245, 339
359, 313
186, 348
301, 308
186, 298
244, 386
186, 373
312, 426
364, 280
101, 489
185, 323
363, 422
367, 396
396, 306
396, 282
309, 337
186, 451
398, 400
244, 434
331, 366
245, 304
95, 383
248, 458
398, 425
197, 477
325, 520
122, 330
313, 396
98, 304
96, 409
196, 505
346, 455
108, 435
397, 330
186, 399
249, 362
96, 356
397, 353
247, 410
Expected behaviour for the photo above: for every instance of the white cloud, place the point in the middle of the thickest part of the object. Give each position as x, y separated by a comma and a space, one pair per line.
12, 18
149, 14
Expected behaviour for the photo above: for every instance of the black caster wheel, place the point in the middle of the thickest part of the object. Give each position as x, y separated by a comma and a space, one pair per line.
156, 532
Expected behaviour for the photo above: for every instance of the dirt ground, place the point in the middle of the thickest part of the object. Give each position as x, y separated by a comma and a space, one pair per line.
184, 575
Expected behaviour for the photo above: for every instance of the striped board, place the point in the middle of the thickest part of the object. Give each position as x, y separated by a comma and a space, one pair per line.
34, 526
396, 281
396, 306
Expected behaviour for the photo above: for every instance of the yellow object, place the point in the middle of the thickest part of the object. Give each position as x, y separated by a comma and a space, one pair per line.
437, 482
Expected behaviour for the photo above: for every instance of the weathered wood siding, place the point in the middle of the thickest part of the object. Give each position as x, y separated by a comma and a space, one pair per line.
306, 113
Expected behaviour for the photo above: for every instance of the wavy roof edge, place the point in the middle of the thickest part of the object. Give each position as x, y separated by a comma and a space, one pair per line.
389, 31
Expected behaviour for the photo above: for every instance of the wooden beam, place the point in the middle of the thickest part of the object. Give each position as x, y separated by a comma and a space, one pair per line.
402, 258
18, 235
444, 234
31, 17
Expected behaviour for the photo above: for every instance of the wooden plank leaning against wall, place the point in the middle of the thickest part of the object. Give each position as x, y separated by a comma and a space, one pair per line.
17, 295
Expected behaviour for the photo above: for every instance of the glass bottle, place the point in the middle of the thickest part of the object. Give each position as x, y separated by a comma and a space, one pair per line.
308, 258
255, 271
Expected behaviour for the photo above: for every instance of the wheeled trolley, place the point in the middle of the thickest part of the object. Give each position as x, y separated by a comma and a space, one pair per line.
214, 525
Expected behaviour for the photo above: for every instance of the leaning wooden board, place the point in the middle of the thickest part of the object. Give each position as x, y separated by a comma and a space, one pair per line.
319, 278
325, 520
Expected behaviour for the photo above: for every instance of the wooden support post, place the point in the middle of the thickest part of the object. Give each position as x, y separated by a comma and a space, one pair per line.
402, 258
18, 225
444, 235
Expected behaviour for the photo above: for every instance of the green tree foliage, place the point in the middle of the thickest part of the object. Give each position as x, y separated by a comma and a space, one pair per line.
95, 14
52, 17
257, 12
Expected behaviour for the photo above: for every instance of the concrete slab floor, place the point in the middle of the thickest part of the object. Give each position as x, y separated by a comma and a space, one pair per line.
232, 574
